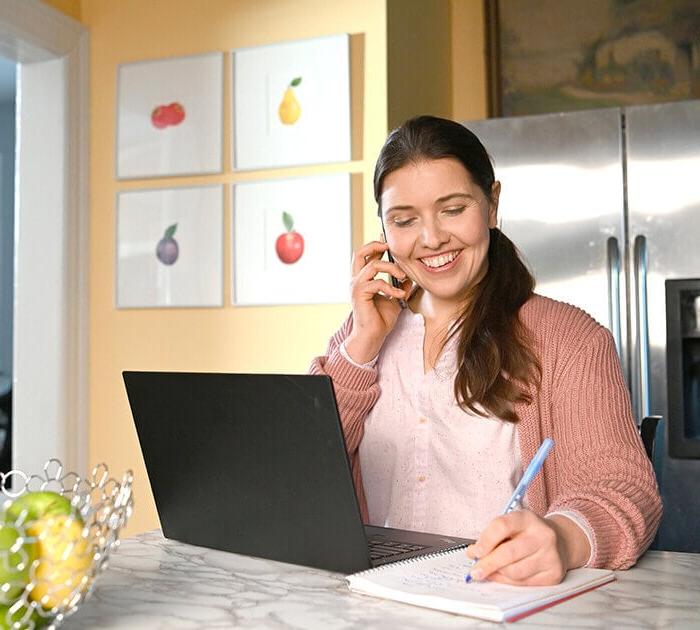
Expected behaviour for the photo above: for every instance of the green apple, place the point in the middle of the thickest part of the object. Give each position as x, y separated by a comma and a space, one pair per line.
15, 561
38, 504
7, 621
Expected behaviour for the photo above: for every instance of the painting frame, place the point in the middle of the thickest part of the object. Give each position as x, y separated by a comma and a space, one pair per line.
320, 209
547, 56
170, 115
169, 247
291, 103
493, 59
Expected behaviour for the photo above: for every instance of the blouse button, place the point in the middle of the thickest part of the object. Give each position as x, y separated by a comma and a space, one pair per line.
423, 420
421, 478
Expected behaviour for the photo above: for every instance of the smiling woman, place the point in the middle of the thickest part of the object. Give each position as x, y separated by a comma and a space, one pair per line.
443, 401
442, 241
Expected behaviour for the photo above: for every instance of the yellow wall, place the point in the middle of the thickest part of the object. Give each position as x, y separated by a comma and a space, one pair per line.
271, 339
69, 7
419, 61
469, 90
436, 59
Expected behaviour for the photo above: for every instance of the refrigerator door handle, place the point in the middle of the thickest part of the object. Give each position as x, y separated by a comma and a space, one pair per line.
640, 277
614, 270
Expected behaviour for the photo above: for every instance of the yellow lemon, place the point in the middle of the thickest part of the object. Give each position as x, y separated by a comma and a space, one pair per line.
65, 557
289, 109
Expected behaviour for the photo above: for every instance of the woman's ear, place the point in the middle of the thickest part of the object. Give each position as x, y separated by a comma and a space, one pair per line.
493, 204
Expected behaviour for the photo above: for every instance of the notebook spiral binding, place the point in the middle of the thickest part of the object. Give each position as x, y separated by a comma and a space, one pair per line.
427, 556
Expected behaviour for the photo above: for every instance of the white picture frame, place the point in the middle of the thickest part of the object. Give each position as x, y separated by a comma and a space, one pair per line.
320, 207
152, 272
170, 117
316, 73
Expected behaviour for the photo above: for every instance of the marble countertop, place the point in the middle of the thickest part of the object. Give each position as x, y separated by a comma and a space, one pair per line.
157, 583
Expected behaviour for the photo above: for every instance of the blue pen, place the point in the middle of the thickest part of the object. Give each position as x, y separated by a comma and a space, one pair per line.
516, 499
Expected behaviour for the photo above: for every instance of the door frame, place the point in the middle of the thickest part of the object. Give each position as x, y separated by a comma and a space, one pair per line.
50, 340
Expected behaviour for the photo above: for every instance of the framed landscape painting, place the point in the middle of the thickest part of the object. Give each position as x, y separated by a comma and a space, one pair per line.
292, 241
549, 55
291, 103
170, 248
170, 116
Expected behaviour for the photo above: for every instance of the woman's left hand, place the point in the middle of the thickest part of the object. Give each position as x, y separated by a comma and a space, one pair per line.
524, 549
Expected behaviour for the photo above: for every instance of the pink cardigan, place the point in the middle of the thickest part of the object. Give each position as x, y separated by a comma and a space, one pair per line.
598, 468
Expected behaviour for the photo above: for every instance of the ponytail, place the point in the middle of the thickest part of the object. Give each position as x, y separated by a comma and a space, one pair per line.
495, 361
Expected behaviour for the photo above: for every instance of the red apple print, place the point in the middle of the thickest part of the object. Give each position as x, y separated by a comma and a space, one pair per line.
177, 113
167, 249
167, 115
158, 117
290, 244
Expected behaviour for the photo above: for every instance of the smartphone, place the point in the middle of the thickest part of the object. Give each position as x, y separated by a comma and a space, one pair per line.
394, 282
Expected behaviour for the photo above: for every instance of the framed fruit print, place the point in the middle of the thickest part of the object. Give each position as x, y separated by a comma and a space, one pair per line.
291, 103
292, 241
170, 248
170, 116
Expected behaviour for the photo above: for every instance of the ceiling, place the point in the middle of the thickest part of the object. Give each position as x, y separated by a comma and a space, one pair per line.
8, 71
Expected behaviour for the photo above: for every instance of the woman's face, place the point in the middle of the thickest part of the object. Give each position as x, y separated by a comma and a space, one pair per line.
437, 224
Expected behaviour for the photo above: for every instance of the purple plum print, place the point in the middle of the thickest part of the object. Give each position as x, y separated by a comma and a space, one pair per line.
168, 250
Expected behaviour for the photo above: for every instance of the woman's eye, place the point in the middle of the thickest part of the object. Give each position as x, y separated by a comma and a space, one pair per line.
402, 222
455, 210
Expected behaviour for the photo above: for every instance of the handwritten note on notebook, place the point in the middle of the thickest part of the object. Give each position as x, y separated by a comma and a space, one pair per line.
437, 581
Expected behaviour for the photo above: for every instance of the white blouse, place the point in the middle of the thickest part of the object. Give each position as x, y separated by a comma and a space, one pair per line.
427, 465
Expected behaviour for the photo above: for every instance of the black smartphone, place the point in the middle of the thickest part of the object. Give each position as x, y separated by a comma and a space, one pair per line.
394, 282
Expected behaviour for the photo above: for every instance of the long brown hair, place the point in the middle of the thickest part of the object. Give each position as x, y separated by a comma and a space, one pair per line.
496, 364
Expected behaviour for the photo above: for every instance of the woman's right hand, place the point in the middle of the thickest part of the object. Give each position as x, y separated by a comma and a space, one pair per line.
375, 306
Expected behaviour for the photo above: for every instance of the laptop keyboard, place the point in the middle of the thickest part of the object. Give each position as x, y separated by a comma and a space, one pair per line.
382, 548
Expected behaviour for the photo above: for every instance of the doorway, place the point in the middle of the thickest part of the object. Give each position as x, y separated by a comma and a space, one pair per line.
49, 347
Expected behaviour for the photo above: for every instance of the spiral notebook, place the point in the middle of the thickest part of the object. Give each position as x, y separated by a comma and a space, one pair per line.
437, 581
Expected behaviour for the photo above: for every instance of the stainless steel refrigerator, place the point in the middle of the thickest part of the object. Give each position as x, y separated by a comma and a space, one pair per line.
605, 206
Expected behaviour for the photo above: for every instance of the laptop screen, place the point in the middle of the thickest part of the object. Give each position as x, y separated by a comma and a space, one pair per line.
250, 463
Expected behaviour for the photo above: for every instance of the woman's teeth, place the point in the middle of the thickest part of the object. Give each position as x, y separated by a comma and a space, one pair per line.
439, 261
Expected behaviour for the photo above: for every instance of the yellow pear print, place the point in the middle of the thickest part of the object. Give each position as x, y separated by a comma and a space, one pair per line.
289, 109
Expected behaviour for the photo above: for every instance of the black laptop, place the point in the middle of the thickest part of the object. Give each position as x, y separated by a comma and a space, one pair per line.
256, 464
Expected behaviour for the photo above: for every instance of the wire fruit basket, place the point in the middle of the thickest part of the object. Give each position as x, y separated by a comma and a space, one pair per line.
57, 531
